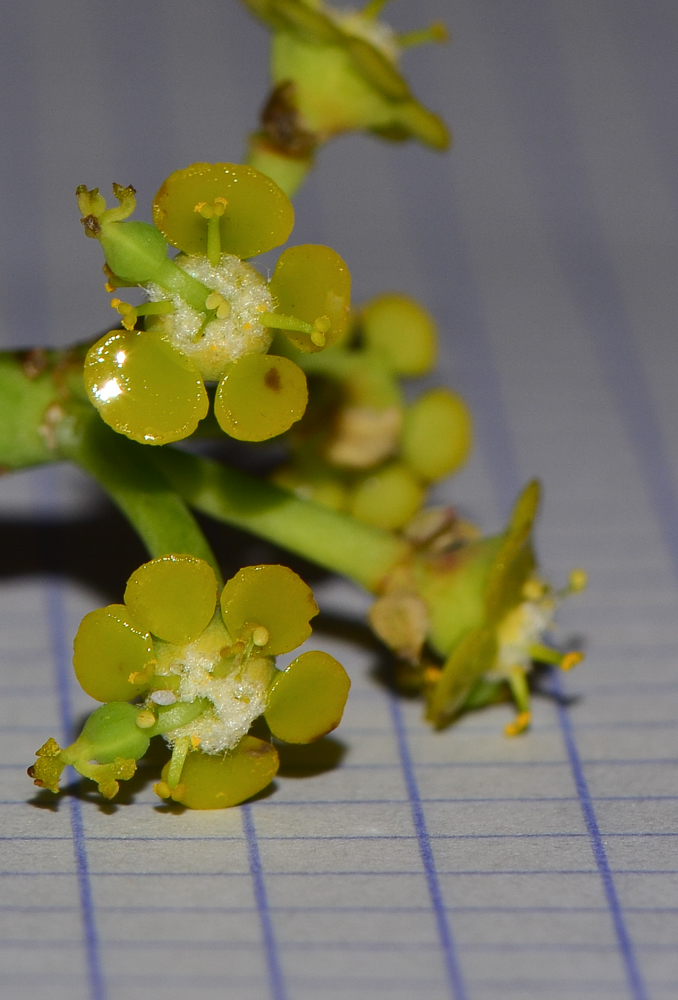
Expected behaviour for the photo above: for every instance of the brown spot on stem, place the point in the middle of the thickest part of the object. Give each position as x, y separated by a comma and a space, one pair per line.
92, 226
281, 124
272, 380
33, 362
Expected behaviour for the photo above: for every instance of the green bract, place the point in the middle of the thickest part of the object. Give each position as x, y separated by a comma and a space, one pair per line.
210, 314
204, 664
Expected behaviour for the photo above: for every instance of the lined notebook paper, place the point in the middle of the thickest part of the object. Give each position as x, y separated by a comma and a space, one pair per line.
388, 860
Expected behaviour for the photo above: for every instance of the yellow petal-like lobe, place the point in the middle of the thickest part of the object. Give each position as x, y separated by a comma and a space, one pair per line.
257, 217
174, 597
217, 781
272, 596
260, 396
145, 388
108, 647
307, 700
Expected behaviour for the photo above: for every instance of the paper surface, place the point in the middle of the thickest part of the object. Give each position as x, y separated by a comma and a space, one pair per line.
390, 860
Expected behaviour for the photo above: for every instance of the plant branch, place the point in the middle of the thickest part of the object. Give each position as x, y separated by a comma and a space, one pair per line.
134, 483
330, 539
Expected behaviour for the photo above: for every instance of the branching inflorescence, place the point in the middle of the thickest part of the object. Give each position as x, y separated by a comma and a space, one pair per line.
185, 656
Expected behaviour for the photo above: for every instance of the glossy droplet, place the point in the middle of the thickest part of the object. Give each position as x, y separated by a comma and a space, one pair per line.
257, 217
387, 498
402, 332
307, 700
437, 434
222, 780
260, 396
311, 282
108, 647
174, 597
144, 388
272, 596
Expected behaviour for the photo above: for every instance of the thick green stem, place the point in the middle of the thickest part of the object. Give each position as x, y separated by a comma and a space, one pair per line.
139, 489
333, 540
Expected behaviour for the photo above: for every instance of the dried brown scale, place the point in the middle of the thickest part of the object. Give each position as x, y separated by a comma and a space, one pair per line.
281, 126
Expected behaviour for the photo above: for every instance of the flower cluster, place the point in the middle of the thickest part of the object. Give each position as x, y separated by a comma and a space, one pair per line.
210, 315
360, 446
203, 664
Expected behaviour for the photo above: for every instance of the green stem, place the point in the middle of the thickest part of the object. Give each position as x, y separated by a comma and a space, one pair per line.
328, 538
289, 172
139, 489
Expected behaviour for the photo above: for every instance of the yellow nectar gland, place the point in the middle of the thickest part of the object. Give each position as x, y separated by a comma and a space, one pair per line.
162, 789
519, 724
571, 660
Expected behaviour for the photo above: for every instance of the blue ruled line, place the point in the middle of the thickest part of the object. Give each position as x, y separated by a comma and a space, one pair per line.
275, 973
55, 617
623, 938
452, 967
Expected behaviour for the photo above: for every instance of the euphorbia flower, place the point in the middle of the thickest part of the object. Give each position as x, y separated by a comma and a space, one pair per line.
335, 71
211, 315
485, 610
204, 664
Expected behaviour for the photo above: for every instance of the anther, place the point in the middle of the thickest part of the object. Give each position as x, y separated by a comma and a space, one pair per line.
195, 742
127, 311
578, 580
533, 590
519, 724
432, 675
571, 660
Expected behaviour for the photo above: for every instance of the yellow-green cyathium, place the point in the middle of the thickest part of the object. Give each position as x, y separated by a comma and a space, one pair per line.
361, 447
200, 666
335, 70
484, 610
210, 315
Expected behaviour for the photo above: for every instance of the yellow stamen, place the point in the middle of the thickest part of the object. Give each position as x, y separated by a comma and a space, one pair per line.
571, 660
127, 311
432, 675
533, 590
195, 742
318, 338
519, 724
578, 580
